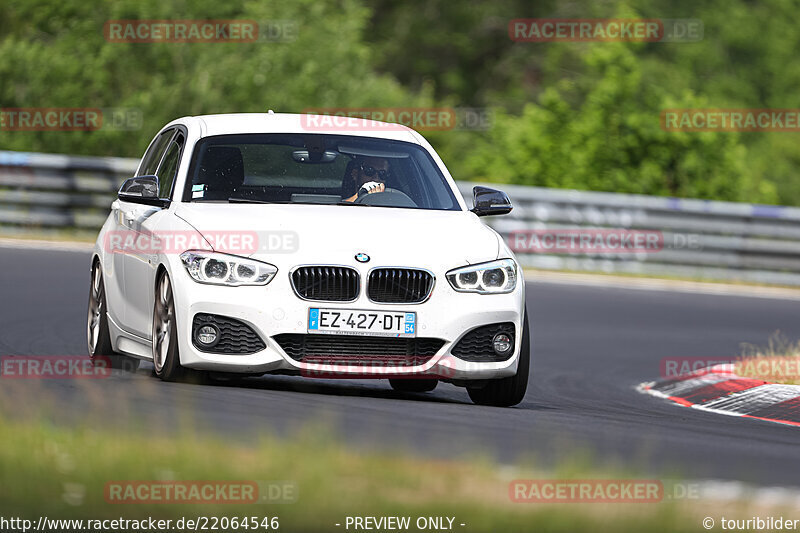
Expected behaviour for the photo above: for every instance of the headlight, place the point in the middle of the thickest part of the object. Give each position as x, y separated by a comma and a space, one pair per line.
223, 269
496, 277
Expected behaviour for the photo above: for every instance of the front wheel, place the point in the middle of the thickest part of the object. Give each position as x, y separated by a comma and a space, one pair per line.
509, 391
165, 335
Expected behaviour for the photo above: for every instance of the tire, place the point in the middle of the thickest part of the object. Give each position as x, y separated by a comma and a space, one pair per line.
98, 338
166, 359
413, 385
510, 391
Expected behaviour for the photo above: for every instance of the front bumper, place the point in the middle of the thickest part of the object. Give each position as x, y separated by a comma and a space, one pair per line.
275, 309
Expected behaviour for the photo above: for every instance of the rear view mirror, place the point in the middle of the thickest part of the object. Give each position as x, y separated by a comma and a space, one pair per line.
488, 202
142, 190
305, 156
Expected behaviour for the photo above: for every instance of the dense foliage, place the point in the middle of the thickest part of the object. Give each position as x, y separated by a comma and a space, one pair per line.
578, 115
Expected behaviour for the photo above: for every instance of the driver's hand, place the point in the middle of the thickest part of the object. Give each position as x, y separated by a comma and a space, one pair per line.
371, 187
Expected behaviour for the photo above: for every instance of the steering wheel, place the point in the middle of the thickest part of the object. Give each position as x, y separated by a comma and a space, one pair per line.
387, 198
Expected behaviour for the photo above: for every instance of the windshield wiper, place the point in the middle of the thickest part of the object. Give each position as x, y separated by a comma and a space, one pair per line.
248, 201
254, 201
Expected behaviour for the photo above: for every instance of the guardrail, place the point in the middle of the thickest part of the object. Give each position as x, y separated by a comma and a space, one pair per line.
49, 190
701, 239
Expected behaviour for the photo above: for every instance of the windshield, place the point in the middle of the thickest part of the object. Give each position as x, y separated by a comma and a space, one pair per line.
313, 168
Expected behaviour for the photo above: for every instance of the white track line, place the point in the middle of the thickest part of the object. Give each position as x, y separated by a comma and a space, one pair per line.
739, 403
59, 246
664, 285
750, 400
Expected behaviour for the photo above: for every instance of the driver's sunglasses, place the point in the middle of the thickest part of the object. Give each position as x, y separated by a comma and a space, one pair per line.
370, 171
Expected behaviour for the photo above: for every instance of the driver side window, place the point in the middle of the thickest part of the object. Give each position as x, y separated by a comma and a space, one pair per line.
154, 153
169, 167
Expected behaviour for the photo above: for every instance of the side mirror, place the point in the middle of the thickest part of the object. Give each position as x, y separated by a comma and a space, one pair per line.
142, 190
488, 201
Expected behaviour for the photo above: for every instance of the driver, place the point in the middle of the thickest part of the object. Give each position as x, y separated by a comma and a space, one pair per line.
367, 175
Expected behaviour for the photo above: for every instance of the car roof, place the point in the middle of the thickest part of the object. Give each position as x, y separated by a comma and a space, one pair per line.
232, 123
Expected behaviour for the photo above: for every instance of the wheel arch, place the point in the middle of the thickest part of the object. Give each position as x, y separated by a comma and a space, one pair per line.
160, 271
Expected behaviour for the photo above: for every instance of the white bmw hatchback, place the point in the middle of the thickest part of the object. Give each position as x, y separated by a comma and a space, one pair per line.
255, 243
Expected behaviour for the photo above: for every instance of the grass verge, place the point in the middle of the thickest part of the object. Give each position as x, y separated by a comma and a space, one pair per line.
49, 470
777, 362
48, 234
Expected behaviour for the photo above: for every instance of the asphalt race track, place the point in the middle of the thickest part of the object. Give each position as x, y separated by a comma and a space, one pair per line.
592, 346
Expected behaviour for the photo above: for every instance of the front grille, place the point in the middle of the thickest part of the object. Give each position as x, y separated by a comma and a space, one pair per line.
330, 283
476, 346
236, 338
353, 350
399, 285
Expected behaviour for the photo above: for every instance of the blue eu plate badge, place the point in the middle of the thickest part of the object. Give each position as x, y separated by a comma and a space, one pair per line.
410, 323
313, 319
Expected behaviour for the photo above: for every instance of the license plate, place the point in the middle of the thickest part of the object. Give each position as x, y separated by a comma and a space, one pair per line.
358, 322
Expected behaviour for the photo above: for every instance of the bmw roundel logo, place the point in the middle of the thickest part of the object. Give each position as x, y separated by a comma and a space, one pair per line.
362, 257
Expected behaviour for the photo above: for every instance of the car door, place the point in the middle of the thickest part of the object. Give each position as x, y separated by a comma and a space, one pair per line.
125, 215
140, 266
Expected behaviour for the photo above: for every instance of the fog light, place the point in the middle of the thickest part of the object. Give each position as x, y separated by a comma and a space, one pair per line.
207, 335
501, 344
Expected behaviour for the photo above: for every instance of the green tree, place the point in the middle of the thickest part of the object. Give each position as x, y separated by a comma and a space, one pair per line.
602, 132
54, 54
582, 115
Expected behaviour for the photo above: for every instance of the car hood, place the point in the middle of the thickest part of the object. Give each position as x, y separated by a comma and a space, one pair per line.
291, 235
